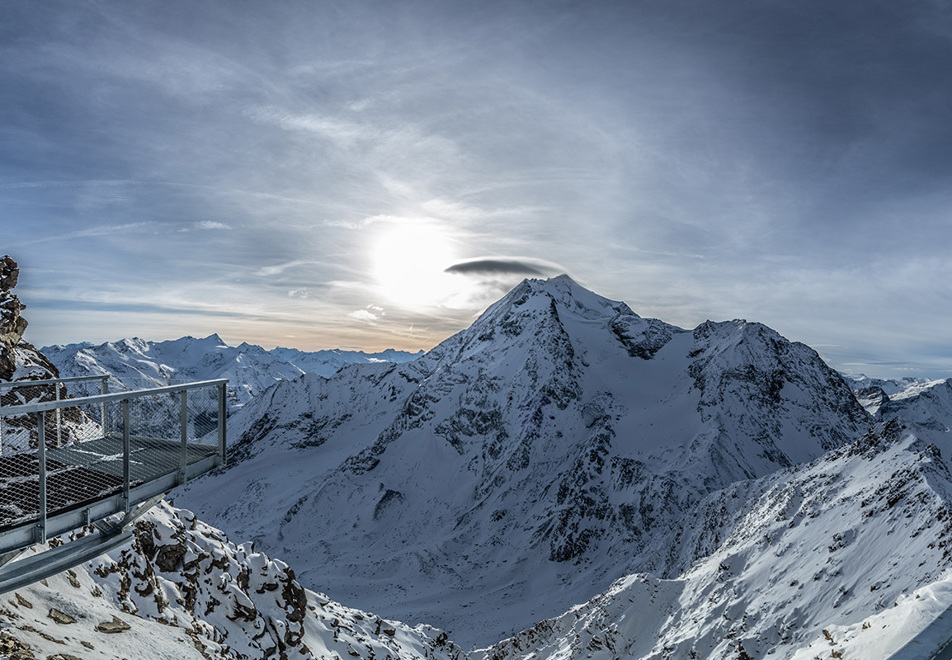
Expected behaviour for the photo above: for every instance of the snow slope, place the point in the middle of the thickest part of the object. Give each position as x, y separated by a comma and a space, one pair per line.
522, 465
329, 362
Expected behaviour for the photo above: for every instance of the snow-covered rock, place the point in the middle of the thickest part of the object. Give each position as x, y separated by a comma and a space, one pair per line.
181, 589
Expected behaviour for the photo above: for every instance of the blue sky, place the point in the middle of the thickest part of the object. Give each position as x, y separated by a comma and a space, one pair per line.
304, 173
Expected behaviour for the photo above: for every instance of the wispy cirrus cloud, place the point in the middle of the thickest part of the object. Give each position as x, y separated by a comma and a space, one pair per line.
277, 269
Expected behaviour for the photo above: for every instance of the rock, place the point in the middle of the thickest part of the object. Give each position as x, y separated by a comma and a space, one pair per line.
12, 325
13, 649
24, 602
115, 626
60, 617
169, 557
8, 273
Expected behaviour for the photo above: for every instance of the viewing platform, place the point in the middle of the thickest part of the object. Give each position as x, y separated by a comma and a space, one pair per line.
95, 462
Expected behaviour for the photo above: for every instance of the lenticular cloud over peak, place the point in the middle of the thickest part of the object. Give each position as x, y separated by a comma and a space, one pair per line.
505, 266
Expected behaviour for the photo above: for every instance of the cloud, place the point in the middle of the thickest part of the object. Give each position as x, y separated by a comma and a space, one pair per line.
299, 293
277, 269
369, 314
63, 184
92, 232
504, 266
361, 223
210, 224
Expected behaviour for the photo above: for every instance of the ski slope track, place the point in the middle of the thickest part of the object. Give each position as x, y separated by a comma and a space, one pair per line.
524, 464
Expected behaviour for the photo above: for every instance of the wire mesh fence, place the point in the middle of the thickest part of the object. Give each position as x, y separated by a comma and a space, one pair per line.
68, 425
64, 452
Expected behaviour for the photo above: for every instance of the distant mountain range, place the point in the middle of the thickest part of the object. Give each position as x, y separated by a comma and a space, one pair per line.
563, 479
137, 363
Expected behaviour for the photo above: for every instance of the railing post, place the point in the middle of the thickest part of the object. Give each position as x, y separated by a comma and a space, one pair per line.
59, 417
103, 389
183, 419
221, 423
41, 482
126, 451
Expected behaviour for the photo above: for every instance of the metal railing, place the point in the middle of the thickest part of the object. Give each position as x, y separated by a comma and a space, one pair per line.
68, 461
18, 392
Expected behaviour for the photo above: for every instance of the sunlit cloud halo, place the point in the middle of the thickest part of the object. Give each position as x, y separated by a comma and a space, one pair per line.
416, 272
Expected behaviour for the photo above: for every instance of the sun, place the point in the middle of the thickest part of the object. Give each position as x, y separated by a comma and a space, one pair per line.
408, 261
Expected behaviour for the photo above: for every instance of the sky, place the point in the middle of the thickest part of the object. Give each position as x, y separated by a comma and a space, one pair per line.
363, 174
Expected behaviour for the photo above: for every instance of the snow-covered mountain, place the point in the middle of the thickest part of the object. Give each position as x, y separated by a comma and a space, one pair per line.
329, 362
136, 363
875, 392
925, 403
845, 557
525, 463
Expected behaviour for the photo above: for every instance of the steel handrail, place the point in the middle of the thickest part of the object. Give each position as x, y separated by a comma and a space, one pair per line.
43, 406
49, 381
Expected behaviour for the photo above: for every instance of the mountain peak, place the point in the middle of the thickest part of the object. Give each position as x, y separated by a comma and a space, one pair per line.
571, 295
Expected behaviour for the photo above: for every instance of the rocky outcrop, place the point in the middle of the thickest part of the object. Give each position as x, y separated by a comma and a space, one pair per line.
12, 325
20, 361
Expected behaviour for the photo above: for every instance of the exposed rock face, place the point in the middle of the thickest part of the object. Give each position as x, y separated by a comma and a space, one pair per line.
872, 398
19, 360
12, 325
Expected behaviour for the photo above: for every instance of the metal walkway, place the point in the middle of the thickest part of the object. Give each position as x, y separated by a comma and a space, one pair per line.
70, 463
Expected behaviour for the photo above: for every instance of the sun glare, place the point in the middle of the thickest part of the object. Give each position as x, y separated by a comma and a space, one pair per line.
409, 262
